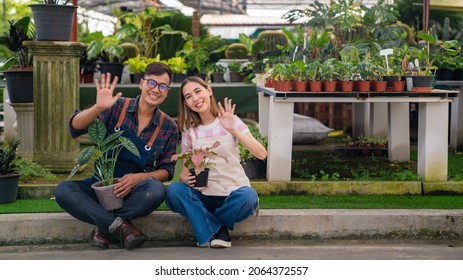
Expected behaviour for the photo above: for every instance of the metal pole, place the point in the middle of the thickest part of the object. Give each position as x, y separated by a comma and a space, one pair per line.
200, 12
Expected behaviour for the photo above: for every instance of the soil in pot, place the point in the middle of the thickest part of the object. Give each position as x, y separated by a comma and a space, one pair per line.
107, 197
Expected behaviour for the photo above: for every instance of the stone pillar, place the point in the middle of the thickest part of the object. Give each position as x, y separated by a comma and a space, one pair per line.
25, 128
56, 97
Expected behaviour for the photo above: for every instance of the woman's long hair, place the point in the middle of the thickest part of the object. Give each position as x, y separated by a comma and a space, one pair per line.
188, 118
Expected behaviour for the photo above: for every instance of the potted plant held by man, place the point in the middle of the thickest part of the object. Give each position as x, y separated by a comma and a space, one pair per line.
104, 154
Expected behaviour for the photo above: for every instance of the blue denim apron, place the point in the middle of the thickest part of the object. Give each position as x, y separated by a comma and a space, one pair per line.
128, 162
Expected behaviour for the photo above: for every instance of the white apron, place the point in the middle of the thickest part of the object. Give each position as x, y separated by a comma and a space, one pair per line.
223, 177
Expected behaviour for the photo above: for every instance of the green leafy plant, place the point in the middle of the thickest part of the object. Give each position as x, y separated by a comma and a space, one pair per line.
105, 48
177, 64
197, 53
245, 154
18, 32
329, 70
216, 68
313, 71
31, 170
8, 156
138, 64
104, 153
298, 70
199, 159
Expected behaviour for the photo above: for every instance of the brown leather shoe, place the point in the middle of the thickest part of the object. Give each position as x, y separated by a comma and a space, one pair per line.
132, 236
98, 239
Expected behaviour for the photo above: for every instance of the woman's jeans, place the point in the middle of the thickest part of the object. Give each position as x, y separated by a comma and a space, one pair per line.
80, 201
208, 213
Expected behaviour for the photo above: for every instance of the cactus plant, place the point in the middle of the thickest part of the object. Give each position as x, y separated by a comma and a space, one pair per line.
272, 39
130, 50
236, 51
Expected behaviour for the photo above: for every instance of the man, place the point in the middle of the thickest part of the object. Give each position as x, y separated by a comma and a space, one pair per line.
140, 183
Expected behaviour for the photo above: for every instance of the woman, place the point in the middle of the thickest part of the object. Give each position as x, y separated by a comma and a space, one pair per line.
228, 199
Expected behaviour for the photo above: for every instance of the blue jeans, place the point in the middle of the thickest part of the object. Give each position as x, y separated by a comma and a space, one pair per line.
80, 201
207, 213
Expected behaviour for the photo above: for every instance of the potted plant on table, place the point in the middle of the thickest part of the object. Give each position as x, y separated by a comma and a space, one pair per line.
299, 75
198, 162
329, 73
17, 68
137, 66
104, 154
216, 72
179, 67
9, 176
109, 53
53, 20
314, 75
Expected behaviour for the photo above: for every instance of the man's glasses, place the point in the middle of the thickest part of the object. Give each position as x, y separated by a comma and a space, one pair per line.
152, 84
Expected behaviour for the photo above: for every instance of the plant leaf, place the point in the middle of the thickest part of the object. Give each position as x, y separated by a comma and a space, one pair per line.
85, 155
130, 146
97, 131
111, 137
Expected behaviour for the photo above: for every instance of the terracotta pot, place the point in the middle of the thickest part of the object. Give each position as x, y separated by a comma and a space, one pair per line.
398, 86
379, 86
270, 83
283, 85
347, 86
363, 86
315, 86
300, 86
330, 86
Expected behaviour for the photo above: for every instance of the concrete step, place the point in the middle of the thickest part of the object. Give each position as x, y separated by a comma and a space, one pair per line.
275, 224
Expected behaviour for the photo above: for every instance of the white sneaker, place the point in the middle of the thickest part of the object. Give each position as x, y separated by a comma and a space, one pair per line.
221, 239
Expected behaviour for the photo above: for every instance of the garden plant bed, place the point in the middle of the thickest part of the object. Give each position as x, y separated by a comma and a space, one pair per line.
344, 151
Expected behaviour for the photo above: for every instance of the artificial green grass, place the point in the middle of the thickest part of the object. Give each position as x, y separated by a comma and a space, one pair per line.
287, 202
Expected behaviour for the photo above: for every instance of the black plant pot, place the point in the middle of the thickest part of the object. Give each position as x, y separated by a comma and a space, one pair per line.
255, 169
114, 68
53, 22
217, 77
389, 80
9, 184
135, 78
20, 86
201, 178
178, 78
445, 74
422, 81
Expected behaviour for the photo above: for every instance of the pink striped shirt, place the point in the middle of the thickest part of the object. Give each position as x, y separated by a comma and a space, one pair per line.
213, 129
